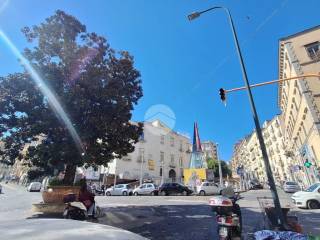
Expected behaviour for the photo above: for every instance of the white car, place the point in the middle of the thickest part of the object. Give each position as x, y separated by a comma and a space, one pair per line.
118, 190
208, 188
291, 187
34, 187
146, 189
309, 198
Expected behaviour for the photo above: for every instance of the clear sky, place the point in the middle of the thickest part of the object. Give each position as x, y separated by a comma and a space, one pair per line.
182, 63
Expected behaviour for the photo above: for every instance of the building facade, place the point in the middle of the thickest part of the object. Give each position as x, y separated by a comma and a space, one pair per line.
209, 149
247, 153
160, 155
299, 101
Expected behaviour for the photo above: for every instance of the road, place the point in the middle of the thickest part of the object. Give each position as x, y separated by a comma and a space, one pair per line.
162, 217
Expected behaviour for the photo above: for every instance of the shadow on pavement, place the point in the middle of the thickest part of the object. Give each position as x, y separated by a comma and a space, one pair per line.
185, 222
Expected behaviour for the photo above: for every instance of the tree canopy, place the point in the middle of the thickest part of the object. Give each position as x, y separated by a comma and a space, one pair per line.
213, 164
96, 85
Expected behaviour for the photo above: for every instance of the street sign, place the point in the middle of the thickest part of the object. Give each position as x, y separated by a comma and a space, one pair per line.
240, 170
307, 164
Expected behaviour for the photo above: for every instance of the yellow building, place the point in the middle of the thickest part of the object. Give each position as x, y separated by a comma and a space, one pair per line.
299, 101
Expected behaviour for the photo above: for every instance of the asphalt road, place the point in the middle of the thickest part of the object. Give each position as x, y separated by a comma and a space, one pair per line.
162, 217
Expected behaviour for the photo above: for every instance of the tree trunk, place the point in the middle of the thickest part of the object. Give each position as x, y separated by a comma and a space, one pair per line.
69, 174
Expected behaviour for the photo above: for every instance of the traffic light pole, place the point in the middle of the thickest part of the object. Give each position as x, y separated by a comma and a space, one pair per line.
280, 216
223, 91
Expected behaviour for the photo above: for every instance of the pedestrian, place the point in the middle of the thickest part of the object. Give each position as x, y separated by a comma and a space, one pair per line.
87, 198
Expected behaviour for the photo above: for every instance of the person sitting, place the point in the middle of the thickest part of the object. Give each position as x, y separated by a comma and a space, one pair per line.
87, 198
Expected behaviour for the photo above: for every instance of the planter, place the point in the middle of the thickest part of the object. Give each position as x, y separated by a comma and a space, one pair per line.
55, 194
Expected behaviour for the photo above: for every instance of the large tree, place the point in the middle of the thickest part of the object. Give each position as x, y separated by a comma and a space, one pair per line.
96, 85
214, 165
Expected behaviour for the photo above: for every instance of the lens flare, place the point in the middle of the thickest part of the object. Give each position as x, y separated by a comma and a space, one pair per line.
46, 91
3, 5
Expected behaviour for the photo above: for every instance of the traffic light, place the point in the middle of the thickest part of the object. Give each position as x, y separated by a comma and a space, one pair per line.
307, 164
222, 93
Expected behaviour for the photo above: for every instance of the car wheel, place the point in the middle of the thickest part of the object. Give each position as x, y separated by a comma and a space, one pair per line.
184, 193
108, 193
163, 193
125, 193
135, 193
202, 193
313, 204
152, 193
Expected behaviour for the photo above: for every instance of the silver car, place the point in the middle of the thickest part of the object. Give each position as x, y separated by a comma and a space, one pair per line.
146, 189
291, 187
118, 190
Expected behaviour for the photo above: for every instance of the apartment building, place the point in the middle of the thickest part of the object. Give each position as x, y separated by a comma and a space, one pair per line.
160, 155
299, 101
209, 149
247, 153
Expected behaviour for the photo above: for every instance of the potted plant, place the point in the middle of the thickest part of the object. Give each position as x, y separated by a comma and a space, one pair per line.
56, 190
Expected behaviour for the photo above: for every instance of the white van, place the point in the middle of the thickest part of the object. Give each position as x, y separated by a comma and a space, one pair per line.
34, 187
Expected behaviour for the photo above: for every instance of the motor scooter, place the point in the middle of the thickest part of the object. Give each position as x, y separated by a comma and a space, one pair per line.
228, 215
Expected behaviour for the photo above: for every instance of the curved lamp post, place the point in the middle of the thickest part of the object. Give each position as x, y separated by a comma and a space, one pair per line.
281, 220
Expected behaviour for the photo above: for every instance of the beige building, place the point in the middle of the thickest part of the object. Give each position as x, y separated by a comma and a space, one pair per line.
209, 149
299, 101
247, 153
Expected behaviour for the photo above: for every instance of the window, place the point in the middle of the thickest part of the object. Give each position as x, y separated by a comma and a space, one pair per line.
313, 50
160, 172
172, 158
180, 148
162, 139
180, 161
162, 157
172, 141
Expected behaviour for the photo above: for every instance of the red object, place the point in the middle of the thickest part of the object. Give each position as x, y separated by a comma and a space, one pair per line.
87, 198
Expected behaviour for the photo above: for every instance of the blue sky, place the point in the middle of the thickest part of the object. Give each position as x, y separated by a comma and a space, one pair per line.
182, 63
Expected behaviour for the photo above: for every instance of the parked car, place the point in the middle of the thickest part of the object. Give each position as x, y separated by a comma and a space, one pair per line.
255, 184
174, 188
118, 190
34, 187
146, 189
309, 198
291, 187
209, 188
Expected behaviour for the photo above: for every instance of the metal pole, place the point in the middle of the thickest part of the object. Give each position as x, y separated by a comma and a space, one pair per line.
281, 219
220, 170
162, 173
273, 81
142, 160
115, 173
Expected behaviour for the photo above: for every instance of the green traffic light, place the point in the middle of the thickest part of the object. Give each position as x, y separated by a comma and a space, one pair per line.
307, 164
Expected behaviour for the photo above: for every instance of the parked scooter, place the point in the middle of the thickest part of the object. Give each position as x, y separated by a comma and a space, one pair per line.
228, 214
75, 211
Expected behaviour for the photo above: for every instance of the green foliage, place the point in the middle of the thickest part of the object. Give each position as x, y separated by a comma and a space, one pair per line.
97, 86
56, 182
213, 164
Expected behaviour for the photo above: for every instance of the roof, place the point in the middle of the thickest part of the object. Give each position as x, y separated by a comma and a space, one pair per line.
300, 33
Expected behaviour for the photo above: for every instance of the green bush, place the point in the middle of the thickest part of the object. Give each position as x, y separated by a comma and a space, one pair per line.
55, 182
59, 182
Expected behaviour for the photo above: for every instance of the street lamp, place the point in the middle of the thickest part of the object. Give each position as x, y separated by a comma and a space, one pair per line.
281, 220
220, 169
